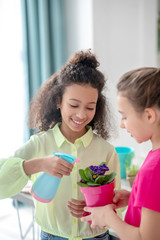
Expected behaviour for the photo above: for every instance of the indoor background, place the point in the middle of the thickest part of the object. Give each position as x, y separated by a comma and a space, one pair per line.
38, 36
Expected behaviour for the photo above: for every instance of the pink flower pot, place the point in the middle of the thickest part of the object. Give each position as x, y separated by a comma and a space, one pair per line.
98, 196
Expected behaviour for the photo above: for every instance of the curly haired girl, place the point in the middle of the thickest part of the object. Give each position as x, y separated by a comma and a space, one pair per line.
71, 115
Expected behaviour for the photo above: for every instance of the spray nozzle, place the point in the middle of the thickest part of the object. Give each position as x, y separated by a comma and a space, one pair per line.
69, 158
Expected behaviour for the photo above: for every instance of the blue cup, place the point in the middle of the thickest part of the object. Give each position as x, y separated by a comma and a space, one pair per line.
125, 155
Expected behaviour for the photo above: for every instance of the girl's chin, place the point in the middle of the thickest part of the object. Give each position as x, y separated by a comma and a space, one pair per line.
78, 129
139, 141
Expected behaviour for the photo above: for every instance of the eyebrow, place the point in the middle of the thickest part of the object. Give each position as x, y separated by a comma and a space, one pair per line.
74, 99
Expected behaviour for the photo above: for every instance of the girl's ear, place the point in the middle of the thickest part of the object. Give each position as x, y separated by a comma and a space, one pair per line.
151, 114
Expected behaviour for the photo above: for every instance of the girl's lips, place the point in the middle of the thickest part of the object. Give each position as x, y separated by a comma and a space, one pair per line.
78, 122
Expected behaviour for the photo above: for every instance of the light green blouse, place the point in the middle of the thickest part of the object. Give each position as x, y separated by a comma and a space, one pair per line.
54, 217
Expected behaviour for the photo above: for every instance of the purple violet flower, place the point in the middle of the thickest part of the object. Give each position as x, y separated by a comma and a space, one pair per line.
99, 170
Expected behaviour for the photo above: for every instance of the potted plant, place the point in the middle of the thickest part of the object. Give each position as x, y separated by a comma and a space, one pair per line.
131, 173
96, 186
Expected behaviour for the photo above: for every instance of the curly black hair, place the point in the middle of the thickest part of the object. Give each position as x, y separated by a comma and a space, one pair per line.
80, 69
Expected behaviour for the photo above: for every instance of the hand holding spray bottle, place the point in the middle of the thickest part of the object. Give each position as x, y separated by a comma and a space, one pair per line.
46, 185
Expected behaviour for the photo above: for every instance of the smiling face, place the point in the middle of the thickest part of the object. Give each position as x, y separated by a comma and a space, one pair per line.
77, 108
137, 124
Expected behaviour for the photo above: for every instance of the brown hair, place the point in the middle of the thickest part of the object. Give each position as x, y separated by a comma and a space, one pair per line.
142, 87
80, 69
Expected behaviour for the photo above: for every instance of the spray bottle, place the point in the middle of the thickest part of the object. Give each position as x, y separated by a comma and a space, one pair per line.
46, 185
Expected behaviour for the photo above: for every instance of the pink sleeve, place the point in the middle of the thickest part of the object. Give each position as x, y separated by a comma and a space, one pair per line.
148, 189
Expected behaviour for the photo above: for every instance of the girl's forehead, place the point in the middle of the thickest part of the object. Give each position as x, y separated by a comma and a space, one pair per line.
78, 86
81, 91
123, 102
121, 98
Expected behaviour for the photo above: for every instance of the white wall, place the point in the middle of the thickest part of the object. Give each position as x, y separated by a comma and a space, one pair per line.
125, 37
123, 34
79, 25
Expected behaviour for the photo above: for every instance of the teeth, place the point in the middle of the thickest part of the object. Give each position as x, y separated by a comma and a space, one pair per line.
77, 122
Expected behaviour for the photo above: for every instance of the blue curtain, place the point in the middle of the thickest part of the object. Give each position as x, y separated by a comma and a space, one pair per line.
43, 43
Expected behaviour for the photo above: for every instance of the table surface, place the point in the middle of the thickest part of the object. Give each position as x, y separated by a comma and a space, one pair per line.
24, 198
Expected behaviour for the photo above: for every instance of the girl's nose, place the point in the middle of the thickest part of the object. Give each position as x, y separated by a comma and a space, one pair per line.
81, 114
122, 124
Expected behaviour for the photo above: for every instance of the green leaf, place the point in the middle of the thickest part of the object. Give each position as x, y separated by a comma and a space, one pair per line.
102, 163
88, 172
100, 179
82, 184
83, 175
109, 178
93, 184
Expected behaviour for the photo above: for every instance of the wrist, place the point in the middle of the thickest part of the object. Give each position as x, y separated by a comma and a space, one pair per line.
33, 166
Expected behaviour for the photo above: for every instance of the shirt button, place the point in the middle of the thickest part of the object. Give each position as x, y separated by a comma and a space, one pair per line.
75, 186
74, 149
74, 221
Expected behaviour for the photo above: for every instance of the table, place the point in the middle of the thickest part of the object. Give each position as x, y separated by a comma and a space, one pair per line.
26, 198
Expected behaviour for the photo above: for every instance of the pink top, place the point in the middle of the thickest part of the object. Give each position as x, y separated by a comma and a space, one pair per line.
145, 190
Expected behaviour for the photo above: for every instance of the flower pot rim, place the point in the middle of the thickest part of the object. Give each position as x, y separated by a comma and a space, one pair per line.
131, 175
109, 187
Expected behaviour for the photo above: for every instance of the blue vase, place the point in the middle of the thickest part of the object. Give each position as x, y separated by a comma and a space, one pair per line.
125, 155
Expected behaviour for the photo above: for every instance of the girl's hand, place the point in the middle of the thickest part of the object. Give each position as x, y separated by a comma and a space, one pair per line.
51, 164
76, 207
56, 166
121, 198
99, 216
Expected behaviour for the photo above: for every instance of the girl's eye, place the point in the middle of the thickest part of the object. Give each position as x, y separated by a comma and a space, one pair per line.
124, 118
73, 106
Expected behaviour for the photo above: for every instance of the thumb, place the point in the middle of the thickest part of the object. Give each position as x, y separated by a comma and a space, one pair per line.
116, 197
113, 206
87, 209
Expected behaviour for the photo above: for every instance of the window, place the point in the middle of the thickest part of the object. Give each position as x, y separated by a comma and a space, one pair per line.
11, 78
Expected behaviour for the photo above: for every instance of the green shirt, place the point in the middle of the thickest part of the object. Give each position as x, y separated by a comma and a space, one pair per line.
54, 217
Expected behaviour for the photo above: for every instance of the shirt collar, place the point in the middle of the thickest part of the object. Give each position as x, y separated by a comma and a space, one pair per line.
60, 139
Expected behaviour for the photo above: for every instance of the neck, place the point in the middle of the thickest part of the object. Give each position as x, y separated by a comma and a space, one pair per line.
155, 143
72, 136
155, 147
